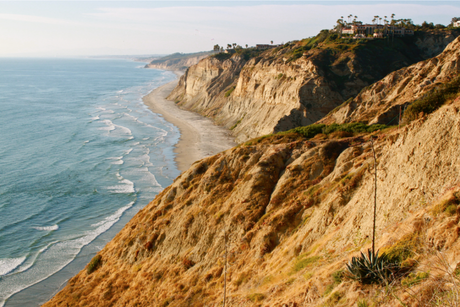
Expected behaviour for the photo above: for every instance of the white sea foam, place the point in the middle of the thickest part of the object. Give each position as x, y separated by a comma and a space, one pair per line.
110, 125
95, 118
53, 254
124, 129
9, 264
118, 160
114, 158
114, 217
129, 151
126, 187
47, 228
147, 176
132, 117
101, 108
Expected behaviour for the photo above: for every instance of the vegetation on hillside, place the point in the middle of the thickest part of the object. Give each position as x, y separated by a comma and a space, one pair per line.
433, 100
247, 54
311, 131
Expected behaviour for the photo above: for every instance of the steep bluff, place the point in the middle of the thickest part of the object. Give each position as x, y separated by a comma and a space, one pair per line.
297, 84
293, 212
178, 61
384, 100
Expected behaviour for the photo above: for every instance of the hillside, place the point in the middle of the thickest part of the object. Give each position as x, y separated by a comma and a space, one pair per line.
296, 84
295, 211
384, 100
178, 61
294, 207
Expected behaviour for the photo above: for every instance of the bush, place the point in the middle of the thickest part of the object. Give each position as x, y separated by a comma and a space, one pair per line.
227, 93
93, 264
413, 279
315, 129
256, 297
222, 56
405, 248
372, 268
308, 131
433, 100
304, 262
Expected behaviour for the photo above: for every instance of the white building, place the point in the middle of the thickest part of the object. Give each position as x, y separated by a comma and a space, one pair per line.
371, 29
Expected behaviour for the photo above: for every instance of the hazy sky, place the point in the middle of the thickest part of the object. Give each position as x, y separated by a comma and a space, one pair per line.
68, 28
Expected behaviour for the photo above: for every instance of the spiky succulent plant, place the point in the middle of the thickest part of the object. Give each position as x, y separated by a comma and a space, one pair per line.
372, 268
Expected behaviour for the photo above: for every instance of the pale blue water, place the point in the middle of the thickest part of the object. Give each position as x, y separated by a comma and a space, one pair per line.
78, 152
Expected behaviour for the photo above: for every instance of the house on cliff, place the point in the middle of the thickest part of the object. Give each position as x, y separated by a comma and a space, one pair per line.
371, 29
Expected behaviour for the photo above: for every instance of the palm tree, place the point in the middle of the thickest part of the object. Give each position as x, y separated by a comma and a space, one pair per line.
246, 46
271, 42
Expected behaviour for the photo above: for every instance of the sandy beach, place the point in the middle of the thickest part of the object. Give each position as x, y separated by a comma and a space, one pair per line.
200, 137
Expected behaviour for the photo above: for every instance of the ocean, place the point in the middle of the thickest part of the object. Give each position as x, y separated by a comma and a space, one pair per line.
80, 154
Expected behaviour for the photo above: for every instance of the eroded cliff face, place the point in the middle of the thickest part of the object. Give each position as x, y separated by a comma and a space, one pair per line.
277, 91
293, 211
433, 43
382, 102
177, 61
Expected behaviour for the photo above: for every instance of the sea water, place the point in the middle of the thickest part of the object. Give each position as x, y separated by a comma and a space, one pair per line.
79, 155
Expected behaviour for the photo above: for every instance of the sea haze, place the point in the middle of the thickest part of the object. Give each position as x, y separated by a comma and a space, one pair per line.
79, 152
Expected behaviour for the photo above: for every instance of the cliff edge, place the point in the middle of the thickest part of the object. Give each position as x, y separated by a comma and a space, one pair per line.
258, 93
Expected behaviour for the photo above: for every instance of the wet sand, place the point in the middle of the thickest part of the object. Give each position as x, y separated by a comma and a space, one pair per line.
200, 137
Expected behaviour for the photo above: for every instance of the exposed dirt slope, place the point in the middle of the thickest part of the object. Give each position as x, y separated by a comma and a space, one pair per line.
294, 210
381, 102
296, 84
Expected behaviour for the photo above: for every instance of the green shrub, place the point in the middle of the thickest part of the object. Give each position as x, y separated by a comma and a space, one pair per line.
227, 93
93, 264
363, 303
433, 100
222, 56
335, 298
315, 129
308, 131
372, 268
413, 279
236, 124
337, 276
304, 262
448, 206
405, 248
256, 297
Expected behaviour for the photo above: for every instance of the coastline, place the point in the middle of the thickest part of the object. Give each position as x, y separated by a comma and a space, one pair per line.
199, 138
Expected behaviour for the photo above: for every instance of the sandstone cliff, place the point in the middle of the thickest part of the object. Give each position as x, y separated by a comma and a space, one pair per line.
178, 61
289, 211
294, 211
294, 85
384, 100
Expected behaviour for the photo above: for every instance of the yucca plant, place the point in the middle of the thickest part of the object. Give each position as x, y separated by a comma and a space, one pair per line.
372, 268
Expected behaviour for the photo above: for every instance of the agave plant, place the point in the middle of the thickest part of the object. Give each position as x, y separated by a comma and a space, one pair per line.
372, 268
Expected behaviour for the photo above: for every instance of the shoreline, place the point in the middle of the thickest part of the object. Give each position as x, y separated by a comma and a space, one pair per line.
199, 136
